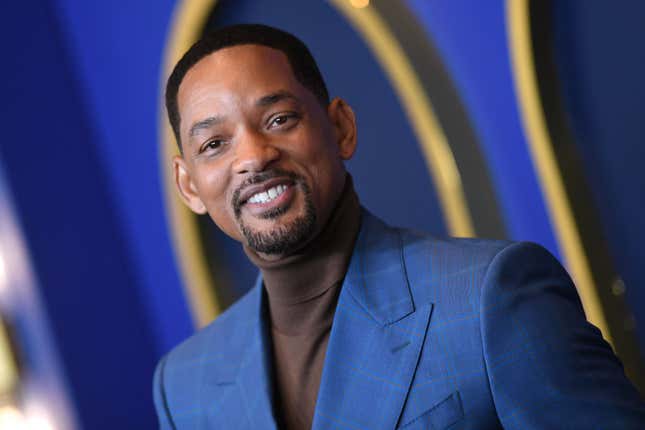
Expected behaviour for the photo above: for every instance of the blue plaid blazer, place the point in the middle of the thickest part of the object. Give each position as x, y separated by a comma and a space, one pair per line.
428, 334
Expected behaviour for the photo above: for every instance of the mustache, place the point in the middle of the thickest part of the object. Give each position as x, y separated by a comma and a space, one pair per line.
259, 178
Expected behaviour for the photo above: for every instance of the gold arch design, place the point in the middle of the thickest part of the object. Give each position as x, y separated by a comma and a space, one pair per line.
434, 144
189, 19
541, 150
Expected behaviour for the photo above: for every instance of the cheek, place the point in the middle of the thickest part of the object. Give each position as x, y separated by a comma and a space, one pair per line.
217, 198
327, 175
212, 187
317, 153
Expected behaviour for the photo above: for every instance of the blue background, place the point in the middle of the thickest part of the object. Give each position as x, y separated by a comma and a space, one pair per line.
81, 155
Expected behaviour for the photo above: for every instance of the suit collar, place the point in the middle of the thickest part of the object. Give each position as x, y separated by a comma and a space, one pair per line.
373, 349
248, 363
255, 377
376, 338
376, 265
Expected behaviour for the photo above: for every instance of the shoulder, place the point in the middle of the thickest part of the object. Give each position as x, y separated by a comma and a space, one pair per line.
511, 310
227, 335
455, 253
535, 333
205, 359
451, 271
441, 268
452, 256
474, 275
426, 258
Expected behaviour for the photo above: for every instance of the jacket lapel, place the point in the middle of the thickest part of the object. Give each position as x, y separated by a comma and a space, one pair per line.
376, 337
248, 370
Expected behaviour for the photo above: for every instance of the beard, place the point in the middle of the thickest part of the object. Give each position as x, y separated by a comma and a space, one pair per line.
282, 238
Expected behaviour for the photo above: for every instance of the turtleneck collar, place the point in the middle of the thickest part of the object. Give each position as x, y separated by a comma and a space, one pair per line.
314, 269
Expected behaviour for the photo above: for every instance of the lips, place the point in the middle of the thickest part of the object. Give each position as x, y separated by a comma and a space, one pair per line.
268, 195
265, 191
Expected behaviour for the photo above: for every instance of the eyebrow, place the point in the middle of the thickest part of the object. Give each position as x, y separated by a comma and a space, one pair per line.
204, 124
276, 97
264, 101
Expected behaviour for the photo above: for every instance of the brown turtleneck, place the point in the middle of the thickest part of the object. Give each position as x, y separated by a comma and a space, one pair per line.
302, 291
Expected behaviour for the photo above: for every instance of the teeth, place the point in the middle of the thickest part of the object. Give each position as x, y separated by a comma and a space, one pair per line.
268, 195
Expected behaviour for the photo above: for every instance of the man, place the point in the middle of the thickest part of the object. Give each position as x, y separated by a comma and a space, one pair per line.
352, 323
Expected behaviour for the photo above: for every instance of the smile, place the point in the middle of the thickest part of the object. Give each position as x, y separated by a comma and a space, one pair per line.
268, 195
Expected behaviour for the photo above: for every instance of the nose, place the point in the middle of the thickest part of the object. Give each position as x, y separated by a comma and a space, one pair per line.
254, 152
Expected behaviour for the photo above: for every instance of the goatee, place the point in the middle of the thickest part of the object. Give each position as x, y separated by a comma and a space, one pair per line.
284, 238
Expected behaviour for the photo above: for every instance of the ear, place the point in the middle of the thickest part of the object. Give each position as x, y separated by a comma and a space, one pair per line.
343, 121
186, 186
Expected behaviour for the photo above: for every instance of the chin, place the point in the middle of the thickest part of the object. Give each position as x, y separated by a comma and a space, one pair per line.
285, 234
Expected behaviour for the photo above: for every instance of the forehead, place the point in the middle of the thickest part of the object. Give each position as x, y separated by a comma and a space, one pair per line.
244, 73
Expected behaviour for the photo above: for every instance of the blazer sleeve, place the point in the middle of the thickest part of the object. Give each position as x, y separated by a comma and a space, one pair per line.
547, 366
163, 414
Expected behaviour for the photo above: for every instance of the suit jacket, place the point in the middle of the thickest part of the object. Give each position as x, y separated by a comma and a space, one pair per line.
428, 333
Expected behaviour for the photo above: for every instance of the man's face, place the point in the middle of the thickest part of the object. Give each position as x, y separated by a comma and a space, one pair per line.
260, 153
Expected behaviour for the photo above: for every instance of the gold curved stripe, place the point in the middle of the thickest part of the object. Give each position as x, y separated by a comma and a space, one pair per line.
437, 152
541, 149
9, 376
188, 21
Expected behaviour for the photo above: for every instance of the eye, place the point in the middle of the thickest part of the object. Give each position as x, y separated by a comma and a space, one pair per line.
213, 145
283, 121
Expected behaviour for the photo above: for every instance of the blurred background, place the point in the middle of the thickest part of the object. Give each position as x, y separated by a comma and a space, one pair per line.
511, 119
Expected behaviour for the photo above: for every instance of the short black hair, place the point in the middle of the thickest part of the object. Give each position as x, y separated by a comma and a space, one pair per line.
302, 63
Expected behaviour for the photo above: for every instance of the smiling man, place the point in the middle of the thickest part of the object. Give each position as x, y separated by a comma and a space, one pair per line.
352, 323
262, 154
